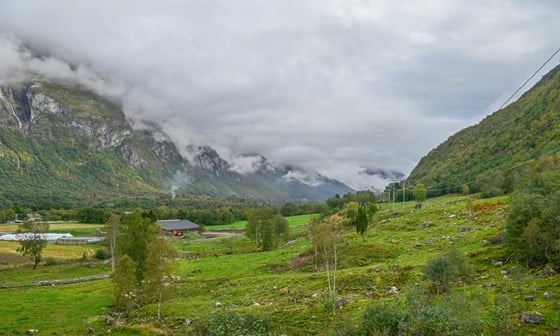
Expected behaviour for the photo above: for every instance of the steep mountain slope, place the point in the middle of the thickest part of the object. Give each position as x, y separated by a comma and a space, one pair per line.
491, 154
63, 146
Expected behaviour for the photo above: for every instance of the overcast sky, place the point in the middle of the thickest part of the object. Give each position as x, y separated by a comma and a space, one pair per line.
338, 86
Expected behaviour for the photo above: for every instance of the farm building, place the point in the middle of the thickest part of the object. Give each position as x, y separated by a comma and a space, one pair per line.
177, 227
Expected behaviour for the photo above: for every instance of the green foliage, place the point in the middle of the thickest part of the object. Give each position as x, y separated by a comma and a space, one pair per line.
125, 283
234, 324
142, 256
136, 233
157, 281
423, 315
50, 261
102, 254
465, 189
500, 148
362, 221
92, 215
453, 315
387, 318
420, 192
533, 219
267, 228
445, 268
343, 327
34, 244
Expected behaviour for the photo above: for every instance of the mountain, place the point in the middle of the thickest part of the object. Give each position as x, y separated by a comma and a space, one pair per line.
491, 155
61, 145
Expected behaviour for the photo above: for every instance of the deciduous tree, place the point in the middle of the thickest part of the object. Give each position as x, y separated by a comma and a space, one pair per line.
267, 228
420, 192
34, 242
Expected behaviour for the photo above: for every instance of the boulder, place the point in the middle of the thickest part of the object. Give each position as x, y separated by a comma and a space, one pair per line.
532, 317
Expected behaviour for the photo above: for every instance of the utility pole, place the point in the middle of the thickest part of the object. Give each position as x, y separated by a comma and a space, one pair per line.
403, 192
393, 194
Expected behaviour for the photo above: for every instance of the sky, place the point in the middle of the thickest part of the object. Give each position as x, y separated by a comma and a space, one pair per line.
339, 86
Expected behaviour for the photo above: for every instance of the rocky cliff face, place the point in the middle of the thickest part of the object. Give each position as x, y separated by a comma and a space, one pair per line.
62, 145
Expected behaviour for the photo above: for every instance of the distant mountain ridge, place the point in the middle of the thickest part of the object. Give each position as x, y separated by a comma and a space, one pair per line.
62, 146
492, 154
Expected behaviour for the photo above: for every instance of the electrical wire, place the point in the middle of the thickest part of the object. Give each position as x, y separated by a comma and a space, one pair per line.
509, 148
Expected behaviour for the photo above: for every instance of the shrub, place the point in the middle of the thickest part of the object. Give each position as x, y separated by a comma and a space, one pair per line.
532, 227
234, 324
50, 261
384, 319
102, 254
445, 268
343, 327
451, 315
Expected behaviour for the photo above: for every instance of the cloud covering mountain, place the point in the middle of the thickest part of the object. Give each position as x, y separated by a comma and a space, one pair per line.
340, 87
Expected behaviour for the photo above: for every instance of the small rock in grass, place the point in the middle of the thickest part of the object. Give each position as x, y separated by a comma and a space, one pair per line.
340, 303
549, 296
530, 298
498, 263
187, 322
218, 304
531, 317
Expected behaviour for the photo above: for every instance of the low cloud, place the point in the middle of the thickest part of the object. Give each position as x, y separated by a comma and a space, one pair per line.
329, 85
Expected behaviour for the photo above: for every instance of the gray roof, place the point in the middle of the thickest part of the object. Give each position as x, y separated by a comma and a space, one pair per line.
177, 224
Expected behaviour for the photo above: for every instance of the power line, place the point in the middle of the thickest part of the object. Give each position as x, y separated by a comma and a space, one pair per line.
529, 79
510, 147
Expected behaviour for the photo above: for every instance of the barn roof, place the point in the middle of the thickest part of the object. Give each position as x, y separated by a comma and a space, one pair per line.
177, 224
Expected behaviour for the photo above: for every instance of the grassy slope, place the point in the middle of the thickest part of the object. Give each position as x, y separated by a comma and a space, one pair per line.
231, 271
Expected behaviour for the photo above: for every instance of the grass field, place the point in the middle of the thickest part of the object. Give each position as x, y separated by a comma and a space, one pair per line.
284, 286
296, 224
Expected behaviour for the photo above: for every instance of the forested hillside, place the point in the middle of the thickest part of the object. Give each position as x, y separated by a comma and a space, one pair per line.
63, 146
490, 156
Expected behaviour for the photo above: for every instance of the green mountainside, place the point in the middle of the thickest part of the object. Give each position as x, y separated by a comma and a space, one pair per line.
491, 155
63, 146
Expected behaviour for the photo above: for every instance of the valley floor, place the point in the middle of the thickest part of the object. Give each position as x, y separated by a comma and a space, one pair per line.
228, 274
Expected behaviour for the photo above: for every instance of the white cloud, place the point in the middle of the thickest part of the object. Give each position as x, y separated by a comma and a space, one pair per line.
326, 84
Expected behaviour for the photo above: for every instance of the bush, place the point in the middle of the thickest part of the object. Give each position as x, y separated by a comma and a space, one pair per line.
444, 269
50, 261
102, 254
386, 319
423, 315
452, 315
532, 232
343, 328
234, 324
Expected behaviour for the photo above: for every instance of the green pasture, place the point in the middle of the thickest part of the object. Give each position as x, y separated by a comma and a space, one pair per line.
297, 224
229, 274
